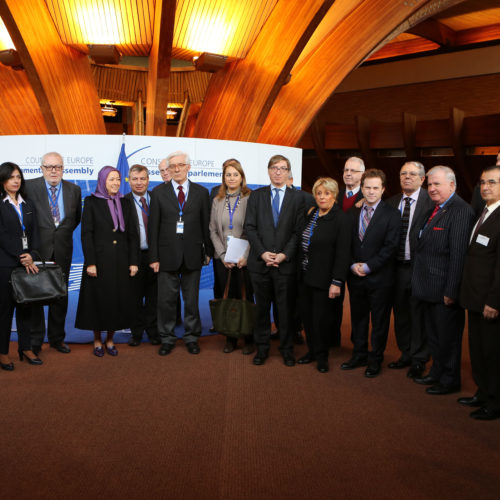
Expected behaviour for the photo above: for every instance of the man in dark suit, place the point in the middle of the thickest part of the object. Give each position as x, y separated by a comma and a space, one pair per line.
58, 207
437, 271
375, 239
347, 198
413, 205
273, 222
477, 201
480, 295
145, 281
179, 246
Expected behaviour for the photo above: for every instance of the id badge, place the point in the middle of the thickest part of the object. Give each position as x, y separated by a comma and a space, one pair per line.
228, 239
180, 227
24, 240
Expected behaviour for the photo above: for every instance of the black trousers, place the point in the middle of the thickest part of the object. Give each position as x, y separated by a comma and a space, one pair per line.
145, 287
283, 288
408, 319
169, 284
484, 348
445, 327
317, 315
337, 306
369, 302
7, 306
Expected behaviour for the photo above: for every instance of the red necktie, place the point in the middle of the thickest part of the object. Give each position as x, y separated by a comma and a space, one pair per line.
181, 196
436, 208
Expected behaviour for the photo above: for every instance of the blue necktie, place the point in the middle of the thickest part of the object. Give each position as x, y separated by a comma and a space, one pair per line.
276, 206
349, 194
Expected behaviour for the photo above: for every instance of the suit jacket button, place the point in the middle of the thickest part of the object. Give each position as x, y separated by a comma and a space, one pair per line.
114, 242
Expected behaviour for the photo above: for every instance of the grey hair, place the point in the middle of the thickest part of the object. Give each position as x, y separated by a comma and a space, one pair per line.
450, 175
52, 153
178, 153
417, 164
359, 160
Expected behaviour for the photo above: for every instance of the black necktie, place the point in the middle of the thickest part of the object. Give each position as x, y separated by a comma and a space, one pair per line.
405, 223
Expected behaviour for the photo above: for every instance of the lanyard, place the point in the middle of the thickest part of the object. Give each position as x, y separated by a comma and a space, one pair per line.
20, 215
313, 225
231, 212
181, 207
54, 204
140, 204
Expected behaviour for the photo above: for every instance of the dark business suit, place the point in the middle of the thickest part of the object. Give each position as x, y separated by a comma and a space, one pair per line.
480, 287
408, 321
338, 303
56, 243
437, 272
10, 250
181, 256
371, 295
145, 287
269, 282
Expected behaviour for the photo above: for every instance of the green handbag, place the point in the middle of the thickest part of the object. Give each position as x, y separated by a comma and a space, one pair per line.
233, 317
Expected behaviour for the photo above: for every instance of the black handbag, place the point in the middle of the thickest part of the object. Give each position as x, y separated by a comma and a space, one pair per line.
40, 288
233, 317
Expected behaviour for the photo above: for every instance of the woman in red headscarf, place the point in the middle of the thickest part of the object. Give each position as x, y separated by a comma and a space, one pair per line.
111, 256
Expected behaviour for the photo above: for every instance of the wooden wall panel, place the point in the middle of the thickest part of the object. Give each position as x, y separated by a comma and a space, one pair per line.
432, 133
340, 136
19, 110
60, 76
482, 130
386, 135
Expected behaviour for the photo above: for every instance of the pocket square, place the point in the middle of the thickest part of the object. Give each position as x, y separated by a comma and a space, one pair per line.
438, 228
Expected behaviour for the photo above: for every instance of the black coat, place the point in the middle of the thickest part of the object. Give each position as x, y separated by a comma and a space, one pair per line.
329, 253
106, 302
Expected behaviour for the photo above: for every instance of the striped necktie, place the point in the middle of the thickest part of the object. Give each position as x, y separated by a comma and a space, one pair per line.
367, 215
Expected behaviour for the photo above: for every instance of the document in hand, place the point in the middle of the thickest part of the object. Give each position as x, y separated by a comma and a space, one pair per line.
236, 249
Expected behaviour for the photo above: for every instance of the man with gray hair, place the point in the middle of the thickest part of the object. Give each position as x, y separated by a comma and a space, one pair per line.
179, 245
437, 272
413, 204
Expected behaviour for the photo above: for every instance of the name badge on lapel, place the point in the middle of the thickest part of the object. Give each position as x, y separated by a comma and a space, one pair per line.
24, 241
482, 240
180, 227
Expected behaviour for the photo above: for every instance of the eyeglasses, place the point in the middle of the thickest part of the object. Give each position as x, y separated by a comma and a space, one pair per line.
173, 166
53, 167
279, 169
410, 174
489, 182
351, 171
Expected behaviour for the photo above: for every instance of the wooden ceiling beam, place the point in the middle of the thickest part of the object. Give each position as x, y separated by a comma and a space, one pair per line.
59, 75
240, 96
160, 59
436, 32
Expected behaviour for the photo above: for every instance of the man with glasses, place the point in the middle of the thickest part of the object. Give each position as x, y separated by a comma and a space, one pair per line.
273, 223
480, 295
58, 207
179, 245
347, 198
413, 204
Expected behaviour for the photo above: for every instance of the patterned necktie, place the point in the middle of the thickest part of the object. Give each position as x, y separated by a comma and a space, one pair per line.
54, 207
367, 215
405, 222
276, 206
144, 215
181, 197
479, 223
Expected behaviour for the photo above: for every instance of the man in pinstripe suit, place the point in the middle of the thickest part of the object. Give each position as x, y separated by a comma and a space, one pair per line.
437, 272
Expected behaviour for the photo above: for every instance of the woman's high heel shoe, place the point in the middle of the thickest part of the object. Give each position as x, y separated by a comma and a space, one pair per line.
31, 361
7, 366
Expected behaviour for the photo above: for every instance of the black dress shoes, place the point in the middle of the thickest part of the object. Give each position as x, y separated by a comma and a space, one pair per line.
259, 359
134, 342
353, 363
416, 370
288, 360
485, 414
427, 380
323, 366
61, 347
165, 349
193, 348
7, 366
472, 401
400, 363
441, 389
372, 371
306, 359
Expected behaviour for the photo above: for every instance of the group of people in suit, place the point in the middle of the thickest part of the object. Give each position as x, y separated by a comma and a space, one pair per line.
421, 254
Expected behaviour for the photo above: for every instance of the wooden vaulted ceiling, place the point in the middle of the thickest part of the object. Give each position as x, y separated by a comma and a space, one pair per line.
316, 42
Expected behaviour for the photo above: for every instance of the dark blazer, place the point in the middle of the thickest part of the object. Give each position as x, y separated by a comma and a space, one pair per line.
11, 246
424, 205
481, 276
307, 198
173, 250
329, 253
264, 237
379, 246
440, 252
135, 218
57, 242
